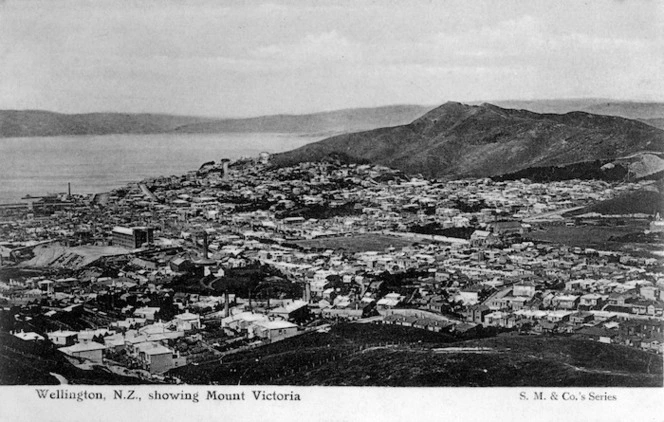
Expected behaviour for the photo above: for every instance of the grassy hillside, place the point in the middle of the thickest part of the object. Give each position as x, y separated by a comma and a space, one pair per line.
378, 355
638, 202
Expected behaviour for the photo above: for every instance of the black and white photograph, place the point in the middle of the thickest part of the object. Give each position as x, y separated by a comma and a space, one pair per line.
349, 210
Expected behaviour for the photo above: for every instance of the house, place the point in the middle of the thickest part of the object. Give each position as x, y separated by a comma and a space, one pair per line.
566, 301
146, 312
160, 331
29, 336
352, 311
343, 314
129, 323
89, 335
437, 303
621, 299
655, 308
558, 316
390, 300
296, 311
397, 319
650, 292
274, 330
187, 321
580, 317
642, 328
603, 335
544, 326
155, 357
525, 289
476, 313
243, 321
499, 300
483, 238
592, 301
180, 264
655, 343
91, 351
469, 295
63, 338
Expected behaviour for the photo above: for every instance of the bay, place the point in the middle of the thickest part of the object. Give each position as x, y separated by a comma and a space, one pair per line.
93, 164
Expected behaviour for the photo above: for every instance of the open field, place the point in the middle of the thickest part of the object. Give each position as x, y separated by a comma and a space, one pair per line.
356, 243
389, 355
587, 236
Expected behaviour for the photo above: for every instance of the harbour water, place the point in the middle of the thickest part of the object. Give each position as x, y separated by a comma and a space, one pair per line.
92, 164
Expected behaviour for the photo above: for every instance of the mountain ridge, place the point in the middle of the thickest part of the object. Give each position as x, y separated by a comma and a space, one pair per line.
458, 140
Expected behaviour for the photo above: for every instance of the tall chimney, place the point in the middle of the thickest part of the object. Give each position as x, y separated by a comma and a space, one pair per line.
307, 292
205, 245
227, 312
68, 189
224, 164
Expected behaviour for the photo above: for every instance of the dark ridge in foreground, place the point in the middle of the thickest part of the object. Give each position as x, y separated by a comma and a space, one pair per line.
387, 355
457, 140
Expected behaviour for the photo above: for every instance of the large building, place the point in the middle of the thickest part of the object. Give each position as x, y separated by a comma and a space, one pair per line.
133, 237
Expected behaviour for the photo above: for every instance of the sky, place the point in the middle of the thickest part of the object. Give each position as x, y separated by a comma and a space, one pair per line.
241, 58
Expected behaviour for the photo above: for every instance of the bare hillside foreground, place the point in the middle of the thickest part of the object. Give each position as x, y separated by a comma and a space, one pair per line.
369, 355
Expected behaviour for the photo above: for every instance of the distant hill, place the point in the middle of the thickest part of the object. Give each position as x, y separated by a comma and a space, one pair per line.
627, 109
14, 123
340, 121
654, 122
31, 123
458, 140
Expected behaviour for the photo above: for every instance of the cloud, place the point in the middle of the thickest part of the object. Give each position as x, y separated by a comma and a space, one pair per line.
312, 50
228, 58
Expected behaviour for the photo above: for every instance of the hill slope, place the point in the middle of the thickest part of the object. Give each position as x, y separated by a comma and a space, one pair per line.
457, 140
637, 202
389, 355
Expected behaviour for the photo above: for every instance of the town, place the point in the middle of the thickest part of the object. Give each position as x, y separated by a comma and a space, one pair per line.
186, 270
